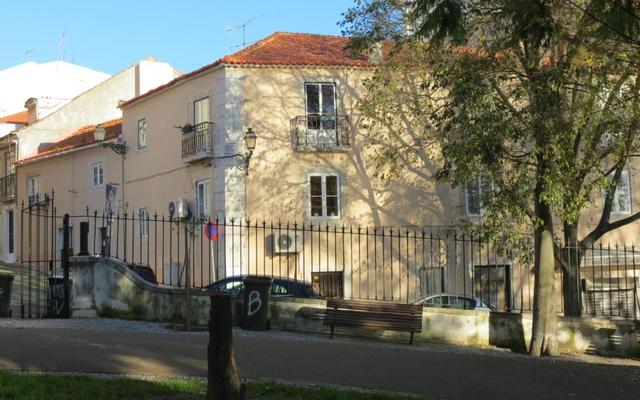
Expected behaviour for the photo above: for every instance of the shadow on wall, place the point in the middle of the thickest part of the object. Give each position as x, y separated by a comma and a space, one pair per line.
368, 198
507, 330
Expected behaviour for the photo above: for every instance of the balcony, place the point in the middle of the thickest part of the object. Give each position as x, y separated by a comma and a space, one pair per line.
197, 142
8, 187
321, 133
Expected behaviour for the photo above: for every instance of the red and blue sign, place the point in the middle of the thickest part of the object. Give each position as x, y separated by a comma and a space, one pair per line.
211, 230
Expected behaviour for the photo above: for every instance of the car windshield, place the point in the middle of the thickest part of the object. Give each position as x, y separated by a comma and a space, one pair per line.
231, 286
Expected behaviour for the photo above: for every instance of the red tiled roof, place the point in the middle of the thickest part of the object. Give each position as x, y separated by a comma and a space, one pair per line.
80, 138
18, 118
283, 49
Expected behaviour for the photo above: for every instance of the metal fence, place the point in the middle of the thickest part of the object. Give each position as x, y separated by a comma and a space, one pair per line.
405, 264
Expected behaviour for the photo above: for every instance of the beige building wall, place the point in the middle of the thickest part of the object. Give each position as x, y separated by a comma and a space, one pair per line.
70, 177
278, 183
96, 105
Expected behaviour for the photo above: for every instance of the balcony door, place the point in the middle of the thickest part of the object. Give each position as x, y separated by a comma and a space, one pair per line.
321, 112
201, 111
8, 165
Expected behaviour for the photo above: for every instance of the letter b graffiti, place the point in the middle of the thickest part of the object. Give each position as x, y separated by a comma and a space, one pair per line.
255, 303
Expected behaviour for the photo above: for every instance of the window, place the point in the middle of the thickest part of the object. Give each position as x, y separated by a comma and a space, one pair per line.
321, 106
476, 193
278, 289
142, 133
324, 196
11, 231
202, 199
201, 111
8, 165
622, 196
33, 185
97, 174
144, 223
232, 285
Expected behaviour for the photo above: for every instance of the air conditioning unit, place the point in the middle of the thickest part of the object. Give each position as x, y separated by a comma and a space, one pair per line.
286, 242
38, 198
178, 209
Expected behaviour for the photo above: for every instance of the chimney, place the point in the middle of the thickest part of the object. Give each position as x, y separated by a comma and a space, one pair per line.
32, 108
376, 53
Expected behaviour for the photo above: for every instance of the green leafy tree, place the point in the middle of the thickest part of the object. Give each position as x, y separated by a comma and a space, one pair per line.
542, 96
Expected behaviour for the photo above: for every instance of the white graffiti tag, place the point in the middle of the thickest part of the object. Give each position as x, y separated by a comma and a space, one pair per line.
255, 303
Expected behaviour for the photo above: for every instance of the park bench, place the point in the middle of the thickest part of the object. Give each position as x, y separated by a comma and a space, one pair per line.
373, 315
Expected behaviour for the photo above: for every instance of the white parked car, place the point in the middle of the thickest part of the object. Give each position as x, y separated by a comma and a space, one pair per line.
444, 300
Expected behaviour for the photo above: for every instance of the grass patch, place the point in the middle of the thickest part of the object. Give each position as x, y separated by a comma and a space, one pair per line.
67, 387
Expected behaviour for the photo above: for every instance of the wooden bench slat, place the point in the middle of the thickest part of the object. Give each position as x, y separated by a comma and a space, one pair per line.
373, 315
375, 306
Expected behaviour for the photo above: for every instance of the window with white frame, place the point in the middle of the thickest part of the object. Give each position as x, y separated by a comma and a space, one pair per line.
476, 193
144, 223
142, 133
33, 185
622, 195
321, 105
97, 174
202, 199
324, 195
201, 111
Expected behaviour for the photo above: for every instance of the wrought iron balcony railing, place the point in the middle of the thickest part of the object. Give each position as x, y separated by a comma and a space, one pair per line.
197, 142
321, 133
8, 187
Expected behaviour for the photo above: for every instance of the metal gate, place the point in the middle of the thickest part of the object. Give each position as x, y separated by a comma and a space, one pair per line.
43, 285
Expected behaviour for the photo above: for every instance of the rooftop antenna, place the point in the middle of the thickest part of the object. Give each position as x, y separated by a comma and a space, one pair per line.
63, 42
26, 55
231, 28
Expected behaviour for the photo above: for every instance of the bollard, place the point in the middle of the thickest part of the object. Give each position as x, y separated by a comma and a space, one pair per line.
222, 377
84, 239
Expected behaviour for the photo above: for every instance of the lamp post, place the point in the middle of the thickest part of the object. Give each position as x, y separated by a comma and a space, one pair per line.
118, 147
243, 160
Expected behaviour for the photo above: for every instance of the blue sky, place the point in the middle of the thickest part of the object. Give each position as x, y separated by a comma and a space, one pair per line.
110, 35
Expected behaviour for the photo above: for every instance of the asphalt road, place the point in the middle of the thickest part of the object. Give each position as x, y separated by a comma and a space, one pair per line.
438, 371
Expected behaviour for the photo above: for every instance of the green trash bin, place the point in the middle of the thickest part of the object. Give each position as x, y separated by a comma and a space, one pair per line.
255, 310
6, 281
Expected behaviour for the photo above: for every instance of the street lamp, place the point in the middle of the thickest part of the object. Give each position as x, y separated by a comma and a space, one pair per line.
118, 147
250, 139
243, 160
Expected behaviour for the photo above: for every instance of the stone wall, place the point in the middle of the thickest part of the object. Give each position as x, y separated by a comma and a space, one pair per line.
107, 287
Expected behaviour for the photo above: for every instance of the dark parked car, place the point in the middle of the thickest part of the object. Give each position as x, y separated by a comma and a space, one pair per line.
281, 287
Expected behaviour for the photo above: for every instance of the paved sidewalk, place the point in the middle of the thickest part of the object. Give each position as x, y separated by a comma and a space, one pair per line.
108, 346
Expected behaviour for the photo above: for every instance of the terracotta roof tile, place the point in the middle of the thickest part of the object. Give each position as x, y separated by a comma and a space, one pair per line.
80, 138
282, 49
18, 118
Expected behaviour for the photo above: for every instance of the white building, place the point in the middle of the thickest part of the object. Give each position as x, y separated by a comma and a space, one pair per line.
96, 105
54, 83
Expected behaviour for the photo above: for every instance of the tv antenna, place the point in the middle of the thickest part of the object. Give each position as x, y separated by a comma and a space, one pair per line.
26, 54
63, 42
231, 28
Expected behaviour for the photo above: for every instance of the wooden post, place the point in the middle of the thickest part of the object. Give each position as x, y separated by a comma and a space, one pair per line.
66, 310
223, 381
188, 275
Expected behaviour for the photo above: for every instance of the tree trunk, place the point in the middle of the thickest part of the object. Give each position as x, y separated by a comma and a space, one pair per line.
543, 334
572, 258
223, 381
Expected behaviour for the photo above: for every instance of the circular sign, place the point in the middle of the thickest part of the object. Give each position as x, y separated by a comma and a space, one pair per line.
211, 230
